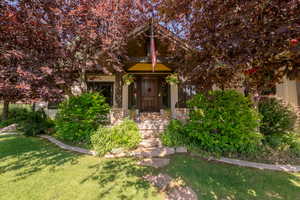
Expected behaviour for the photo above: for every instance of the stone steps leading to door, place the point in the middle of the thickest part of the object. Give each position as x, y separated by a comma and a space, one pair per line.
151, 125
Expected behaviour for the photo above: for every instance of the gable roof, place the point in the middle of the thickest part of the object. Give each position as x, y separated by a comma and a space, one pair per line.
158, 29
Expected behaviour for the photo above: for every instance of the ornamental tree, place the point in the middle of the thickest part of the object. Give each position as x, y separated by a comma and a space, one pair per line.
46, 46
241, 35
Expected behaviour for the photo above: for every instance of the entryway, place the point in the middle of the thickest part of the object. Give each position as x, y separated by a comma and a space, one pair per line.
149, 93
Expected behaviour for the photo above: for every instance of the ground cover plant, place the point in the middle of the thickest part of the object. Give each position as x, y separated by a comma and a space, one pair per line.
124, 135
79, 116
33, 169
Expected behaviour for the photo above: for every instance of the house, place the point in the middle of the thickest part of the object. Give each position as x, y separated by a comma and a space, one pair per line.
149, 91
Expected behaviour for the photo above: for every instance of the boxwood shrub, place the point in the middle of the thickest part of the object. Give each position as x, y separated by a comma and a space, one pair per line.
79, 116
125, 135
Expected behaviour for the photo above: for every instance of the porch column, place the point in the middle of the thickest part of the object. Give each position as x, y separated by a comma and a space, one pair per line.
288, 91
174, 98
125, 97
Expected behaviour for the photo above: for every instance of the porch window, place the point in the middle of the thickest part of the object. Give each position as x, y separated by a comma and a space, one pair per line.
165, 95
132, 97
105, 88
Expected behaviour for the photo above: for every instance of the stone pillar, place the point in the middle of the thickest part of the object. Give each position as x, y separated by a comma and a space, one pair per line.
174, 98
125, 97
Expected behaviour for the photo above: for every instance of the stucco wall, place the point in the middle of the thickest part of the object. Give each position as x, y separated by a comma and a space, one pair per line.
287, 90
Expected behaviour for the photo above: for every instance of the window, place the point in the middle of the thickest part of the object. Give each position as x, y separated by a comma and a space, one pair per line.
105, 88
53, 104
186, 92
269, 91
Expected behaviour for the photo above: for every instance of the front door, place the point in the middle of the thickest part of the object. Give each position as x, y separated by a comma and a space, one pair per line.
149, 94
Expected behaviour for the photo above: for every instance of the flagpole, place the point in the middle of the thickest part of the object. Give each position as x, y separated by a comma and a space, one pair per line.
153, 49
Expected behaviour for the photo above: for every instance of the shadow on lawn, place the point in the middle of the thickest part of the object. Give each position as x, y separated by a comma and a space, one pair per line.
119, 176
26, 156
212, 180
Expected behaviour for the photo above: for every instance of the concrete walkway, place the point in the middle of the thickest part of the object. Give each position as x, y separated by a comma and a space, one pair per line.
9, 133
242, 163
68, 147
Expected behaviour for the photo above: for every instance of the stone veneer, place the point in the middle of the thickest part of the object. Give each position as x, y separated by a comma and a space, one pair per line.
182, 114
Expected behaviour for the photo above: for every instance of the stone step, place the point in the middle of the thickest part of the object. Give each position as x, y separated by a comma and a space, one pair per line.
150, 133
152, 126
151, 142
153, 152
154, 162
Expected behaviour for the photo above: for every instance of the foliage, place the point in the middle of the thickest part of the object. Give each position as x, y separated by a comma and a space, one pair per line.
15, 115
125, 135
36, 122
128, 79
175, 134
47, 45
223, 121
277, 117
240, 34
79, 116
30, 122
172, 78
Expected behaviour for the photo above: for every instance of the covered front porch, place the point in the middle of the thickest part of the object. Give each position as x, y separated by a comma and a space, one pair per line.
149, 91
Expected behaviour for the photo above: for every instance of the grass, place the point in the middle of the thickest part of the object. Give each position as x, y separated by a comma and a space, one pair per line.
33, 169
216, 181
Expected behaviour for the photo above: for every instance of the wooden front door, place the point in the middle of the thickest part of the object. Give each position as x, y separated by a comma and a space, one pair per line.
149, 94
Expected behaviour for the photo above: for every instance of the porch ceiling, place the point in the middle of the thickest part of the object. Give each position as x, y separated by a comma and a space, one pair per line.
148, 67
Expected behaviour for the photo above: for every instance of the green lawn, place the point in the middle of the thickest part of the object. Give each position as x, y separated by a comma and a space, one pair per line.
225, 182
33, 169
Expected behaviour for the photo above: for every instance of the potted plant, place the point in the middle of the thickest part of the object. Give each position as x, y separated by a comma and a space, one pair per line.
172, 79
128, 79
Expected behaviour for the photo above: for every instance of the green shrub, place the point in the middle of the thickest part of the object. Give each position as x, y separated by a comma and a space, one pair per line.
175, 134
79, 116
36, 122
15, 115
223, 121
125, 135
277, 117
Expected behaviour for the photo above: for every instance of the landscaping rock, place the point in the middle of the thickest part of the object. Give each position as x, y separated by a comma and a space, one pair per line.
117, 150
181, 193
174, 189
181, 150
161, 181
155, 162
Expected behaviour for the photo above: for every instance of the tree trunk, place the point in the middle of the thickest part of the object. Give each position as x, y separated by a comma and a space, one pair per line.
5, 110
83, 83
33, 107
